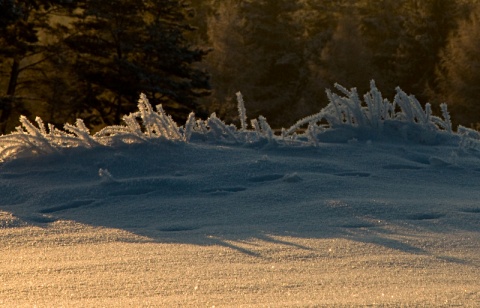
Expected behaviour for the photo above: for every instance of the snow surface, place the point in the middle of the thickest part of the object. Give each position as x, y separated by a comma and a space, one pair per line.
207, 215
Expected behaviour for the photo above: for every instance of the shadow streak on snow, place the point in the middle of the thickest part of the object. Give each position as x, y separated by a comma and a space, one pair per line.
254, 196
245, 238
239, 227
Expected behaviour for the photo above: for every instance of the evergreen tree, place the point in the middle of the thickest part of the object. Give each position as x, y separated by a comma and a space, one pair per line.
381, 25
9, 13
276, 47
425, 29
258, 50
459, 74
320, 26
123, 48
229, 60
345, 58
200, 13
21, 49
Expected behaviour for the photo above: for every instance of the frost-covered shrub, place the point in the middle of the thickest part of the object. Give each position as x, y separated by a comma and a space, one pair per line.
221, 131
141, 126
152, 124
375, 118
242, 112
29, 139
346, 117
470, 139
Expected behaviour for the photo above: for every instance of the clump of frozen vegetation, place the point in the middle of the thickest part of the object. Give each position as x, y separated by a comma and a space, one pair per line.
346, 117
374, 118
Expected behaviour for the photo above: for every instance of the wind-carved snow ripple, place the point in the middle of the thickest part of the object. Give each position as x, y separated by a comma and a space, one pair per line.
70, 205
475, 210
148, 185
354, 174
225, 190
39, 219
265, 178
132, 191
288, 178
178, 228
425, 216
220, 191
401, 167
359, 225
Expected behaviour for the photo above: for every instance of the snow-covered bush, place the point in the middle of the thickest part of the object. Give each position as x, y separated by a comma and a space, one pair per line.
470, 139
346, 117
375, 118
155, 125
29, 140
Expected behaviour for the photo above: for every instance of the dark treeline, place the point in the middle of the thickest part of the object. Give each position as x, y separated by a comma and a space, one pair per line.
63, 59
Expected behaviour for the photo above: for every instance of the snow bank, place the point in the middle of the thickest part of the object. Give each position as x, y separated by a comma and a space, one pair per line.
344, 119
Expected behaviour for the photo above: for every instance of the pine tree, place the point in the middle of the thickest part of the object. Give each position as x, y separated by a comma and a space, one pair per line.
123, 48
174, 76
320, 25
9, 13
425, 29
458, 72
274, 39
200, 13
229, 61
258, 50
381, 24
345, 58
21, 50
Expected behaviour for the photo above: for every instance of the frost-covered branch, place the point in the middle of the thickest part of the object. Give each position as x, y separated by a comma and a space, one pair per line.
241, 111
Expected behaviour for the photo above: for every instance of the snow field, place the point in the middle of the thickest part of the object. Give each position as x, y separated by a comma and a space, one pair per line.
383, 213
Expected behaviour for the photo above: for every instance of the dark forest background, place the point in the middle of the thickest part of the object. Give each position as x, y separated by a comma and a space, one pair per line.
64, 59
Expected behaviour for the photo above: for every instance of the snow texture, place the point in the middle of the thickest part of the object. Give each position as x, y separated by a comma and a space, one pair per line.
366, 203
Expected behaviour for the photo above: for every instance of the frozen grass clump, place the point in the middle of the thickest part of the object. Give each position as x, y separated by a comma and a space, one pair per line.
374, 118
348, 116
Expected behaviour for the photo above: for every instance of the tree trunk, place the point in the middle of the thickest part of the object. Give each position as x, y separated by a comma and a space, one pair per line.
9, 99
118, 110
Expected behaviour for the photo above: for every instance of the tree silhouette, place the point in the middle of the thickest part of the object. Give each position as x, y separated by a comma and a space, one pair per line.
426, 27
122, 48
459, 72
21, 50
